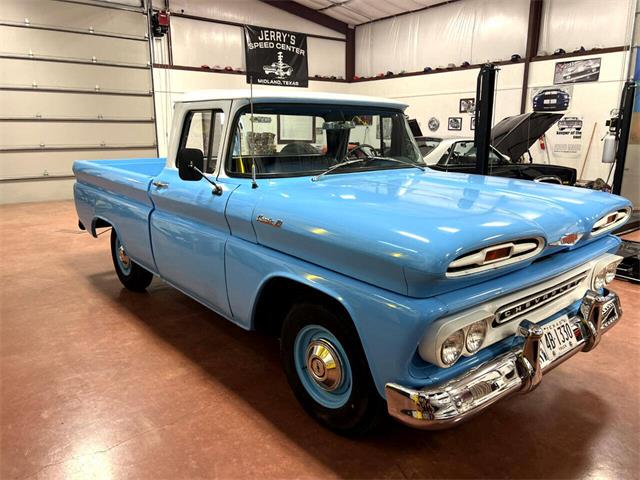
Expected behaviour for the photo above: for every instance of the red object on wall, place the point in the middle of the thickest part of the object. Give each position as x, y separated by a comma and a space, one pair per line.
542, 143
163, 18
160, 23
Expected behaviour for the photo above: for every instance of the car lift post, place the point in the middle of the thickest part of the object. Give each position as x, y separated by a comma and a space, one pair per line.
622, 133
485, 90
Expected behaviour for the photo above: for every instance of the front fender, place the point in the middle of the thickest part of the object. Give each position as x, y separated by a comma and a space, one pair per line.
389, 325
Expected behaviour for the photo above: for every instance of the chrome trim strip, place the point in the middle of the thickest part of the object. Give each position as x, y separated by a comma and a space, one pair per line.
516, 371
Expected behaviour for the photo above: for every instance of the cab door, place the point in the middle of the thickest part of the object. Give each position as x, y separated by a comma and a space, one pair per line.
188, 225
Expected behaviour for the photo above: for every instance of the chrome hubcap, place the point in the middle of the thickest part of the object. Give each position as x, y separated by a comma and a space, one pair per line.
324, 365
122, 255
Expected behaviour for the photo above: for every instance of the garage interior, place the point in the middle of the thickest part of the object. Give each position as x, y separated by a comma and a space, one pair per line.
101, 382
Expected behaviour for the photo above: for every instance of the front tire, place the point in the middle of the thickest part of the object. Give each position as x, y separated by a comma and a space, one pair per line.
327, 370
131, 275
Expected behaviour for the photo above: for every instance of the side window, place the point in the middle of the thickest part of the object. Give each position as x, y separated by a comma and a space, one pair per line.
203, 130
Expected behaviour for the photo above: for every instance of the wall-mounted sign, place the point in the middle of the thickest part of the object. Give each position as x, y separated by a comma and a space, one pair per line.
577, 71
433, 124
568, 139
276, 57
551, 99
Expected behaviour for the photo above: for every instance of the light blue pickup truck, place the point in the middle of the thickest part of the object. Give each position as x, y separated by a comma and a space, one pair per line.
392, 287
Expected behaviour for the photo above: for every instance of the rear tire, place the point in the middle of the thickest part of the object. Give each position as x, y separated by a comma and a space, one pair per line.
131, 275
327, 370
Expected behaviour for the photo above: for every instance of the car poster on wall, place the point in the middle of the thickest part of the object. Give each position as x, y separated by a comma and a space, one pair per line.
551, 99
568, 140
577, 71
276, 57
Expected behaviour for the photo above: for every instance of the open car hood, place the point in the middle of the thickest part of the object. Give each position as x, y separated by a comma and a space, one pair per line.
513, 136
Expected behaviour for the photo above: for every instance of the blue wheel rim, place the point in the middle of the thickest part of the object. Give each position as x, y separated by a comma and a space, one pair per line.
125, 267
329, 399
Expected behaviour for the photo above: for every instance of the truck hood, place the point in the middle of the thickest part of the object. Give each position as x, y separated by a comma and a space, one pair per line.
513, 136
399, 229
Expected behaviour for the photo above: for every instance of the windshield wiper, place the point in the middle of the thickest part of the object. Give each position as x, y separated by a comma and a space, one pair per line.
338, 165
358, 160
404, 162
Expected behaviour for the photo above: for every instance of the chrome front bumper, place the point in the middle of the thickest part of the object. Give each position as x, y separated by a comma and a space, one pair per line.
516, 371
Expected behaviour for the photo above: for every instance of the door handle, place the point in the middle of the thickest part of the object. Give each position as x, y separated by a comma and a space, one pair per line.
159, 184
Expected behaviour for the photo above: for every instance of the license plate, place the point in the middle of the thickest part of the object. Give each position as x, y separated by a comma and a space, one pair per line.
551, 100
558, 337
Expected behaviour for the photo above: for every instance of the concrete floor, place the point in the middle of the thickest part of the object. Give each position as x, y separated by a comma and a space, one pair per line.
99, 382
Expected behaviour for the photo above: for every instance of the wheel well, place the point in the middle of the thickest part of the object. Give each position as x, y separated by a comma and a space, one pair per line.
279, 295
99, 223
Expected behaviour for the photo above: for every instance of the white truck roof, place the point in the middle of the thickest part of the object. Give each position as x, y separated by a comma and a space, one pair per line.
287, 96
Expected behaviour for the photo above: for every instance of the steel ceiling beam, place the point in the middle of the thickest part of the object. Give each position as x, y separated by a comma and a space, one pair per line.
309, 14
533, 41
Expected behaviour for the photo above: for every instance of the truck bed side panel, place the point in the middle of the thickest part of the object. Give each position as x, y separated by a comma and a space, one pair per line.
117, 191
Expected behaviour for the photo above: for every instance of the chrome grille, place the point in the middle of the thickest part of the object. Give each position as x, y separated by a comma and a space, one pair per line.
532, 302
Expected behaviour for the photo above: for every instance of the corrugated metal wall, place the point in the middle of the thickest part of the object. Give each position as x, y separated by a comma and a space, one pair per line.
75, 83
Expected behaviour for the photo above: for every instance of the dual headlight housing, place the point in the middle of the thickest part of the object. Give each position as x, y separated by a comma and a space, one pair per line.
467, 340
603, 274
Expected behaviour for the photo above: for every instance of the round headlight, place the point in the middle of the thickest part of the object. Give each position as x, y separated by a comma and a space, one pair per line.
599, 279
452, 348
475, 336
610, 274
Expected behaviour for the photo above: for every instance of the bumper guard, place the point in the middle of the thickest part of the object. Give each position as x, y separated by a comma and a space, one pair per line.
516, 371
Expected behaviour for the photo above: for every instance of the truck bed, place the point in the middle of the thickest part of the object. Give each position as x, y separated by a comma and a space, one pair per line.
117, 193
136, 168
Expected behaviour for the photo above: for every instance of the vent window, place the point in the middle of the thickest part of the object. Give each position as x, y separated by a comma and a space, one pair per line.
495, 256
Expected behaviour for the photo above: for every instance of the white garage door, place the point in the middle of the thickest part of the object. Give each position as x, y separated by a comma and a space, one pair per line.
75, 83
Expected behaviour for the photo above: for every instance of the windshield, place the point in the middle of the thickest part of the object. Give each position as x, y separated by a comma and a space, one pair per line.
427, 145
464, 154
298, 140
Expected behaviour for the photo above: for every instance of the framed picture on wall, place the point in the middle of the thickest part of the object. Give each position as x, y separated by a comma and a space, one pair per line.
467, 105
587, 70
473, 123
454, 123
296, 128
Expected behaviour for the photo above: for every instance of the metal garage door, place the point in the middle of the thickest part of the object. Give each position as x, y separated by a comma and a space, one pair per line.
75, 83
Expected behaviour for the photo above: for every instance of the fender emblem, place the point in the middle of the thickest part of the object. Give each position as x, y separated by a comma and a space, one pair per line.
269, 221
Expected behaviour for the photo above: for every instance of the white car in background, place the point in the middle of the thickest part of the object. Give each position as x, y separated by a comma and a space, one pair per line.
508, 155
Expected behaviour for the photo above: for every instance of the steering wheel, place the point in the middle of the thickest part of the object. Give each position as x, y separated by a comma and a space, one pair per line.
358, 148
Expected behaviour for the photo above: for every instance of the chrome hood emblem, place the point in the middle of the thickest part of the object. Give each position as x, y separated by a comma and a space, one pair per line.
567, 240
